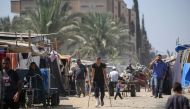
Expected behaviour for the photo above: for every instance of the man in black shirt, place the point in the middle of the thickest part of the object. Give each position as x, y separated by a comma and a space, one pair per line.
99, 79
79, 75
11, 86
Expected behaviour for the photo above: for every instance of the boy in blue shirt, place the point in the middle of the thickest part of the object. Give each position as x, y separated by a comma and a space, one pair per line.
118, 89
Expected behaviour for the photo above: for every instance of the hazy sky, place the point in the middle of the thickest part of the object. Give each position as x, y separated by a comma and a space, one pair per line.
165, 20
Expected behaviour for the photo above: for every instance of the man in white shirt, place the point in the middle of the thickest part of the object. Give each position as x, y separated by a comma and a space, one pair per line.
114, 75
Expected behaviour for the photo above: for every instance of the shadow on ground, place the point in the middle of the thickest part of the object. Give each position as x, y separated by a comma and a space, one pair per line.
54, 107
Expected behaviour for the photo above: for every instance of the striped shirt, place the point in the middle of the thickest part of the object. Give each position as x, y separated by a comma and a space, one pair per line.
177, 101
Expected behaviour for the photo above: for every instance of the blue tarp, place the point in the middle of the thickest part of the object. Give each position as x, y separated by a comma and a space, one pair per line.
185, 81
182, 47
45, 72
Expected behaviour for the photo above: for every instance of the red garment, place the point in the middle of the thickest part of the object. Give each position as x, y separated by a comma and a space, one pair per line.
14, 59
2, 56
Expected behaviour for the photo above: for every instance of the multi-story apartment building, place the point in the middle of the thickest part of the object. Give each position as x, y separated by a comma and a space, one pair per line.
20, 6
117, 8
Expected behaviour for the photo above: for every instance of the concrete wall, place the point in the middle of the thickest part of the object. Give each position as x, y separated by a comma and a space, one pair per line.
27, 5
15, 6
87, 6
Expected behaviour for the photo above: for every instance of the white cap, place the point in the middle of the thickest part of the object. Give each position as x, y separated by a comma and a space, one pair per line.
114, 68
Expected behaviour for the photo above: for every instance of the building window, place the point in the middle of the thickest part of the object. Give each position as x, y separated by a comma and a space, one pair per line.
99, 6
27, 8
84, 6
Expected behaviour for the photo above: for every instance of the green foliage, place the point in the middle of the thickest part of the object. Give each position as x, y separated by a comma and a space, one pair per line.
99, 35
5, 24
50, 16
91, 34
17, 24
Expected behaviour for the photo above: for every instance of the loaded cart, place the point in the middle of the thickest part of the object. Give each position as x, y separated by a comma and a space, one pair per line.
130, 87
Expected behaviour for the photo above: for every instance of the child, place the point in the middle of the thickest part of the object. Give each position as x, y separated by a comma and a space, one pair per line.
87, 87
177, 101
118, 88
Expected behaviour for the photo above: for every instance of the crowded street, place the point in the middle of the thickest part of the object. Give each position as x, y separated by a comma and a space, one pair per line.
94, 54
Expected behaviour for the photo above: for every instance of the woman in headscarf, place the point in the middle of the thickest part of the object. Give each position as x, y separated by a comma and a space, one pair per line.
35, 75
35, 80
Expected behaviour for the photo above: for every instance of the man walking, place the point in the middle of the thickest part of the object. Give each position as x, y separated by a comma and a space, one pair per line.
79, 75
11, 86
99, 78
113, 76
159, 69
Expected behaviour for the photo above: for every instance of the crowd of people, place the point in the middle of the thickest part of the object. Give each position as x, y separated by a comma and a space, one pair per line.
11, 85
116, 83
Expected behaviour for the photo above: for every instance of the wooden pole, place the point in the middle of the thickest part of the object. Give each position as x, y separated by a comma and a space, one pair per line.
16, 38
29, 39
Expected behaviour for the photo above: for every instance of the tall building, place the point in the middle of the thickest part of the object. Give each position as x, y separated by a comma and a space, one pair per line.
117, 8
20, 6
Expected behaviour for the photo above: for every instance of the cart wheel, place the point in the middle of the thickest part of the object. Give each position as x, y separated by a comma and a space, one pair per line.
133, 91
55, 99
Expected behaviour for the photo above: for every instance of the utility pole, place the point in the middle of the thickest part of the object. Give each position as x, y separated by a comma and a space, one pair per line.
29, 39
55, 41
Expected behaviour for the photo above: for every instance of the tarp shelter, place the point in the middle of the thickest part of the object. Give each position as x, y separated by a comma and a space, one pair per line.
185, 80
182, 47
180, 67
22, 47
176, 76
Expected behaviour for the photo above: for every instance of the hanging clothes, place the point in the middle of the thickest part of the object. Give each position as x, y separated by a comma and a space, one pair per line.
176, 77
167, 84
24, 60
53, 55
188, 57
14, 59
44, 62
2, 56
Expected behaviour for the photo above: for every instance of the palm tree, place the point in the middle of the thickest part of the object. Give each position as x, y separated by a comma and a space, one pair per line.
99, 35
50, 16
19, 24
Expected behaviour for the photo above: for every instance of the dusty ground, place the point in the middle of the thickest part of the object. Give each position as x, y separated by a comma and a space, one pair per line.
143, 100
